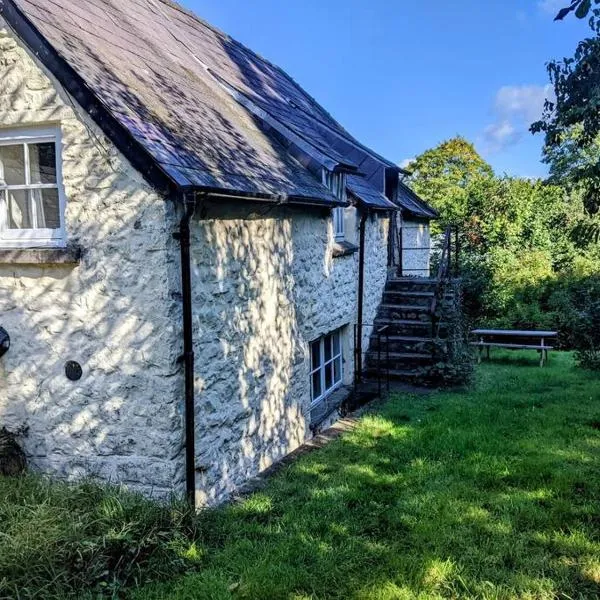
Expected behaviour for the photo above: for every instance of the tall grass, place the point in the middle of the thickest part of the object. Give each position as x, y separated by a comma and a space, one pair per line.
60, 541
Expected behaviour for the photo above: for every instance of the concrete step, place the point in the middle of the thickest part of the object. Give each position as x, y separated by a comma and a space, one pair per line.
408, 375
408, 284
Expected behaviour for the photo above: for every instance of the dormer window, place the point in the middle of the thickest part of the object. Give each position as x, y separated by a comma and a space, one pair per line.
31, 198
336, 182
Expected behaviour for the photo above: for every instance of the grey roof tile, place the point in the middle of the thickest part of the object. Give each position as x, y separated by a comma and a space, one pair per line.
175, 83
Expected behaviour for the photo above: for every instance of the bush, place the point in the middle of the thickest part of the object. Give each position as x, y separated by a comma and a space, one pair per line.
63, 541
455, 364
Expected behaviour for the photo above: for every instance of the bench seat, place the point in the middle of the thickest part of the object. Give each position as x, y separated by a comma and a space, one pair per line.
512, 346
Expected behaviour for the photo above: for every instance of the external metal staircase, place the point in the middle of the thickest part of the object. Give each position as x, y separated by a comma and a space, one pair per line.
410, 331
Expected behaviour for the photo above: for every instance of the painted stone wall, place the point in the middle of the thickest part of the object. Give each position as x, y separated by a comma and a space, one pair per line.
265, 287
376, 270
416, 243
113, 312
266, 284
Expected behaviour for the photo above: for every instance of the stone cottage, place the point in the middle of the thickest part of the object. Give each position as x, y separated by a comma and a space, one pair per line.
187, 242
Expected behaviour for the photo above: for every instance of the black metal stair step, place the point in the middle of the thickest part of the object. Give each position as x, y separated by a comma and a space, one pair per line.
399, 355
382, 321
400, 374
405, 307
409, 293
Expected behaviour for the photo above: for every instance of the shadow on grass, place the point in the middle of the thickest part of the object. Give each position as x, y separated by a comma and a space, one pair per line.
493, 495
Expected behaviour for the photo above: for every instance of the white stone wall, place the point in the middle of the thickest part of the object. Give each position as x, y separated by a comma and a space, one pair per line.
416, 244
266, 284
112, 313
376, 270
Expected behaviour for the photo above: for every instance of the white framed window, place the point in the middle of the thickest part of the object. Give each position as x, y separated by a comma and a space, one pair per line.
339, 229
326, 372
32, 202
336, 182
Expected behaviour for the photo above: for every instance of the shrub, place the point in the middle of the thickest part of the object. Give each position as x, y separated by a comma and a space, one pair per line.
64, 541
455, 364
12, 458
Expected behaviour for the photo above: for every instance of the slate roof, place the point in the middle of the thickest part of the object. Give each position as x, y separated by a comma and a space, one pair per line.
210, 113
411, 202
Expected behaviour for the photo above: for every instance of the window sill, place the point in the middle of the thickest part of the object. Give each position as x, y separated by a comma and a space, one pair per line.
40, 256
343, 248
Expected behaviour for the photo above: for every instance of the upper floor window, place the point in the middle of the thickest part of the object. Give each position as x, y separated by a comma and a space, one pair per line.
336, 182
31, 198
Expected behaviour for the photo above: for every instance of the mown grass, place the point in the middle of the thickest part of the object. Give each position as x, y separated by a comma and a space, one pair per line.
489, 494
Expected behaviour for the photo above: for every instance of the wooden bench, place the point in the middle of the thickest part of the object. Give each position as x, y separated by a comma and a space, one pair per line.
514, 340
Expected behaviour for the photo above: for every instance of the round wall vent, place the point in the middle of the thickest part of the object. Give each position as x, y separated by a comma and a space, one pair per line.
73, 371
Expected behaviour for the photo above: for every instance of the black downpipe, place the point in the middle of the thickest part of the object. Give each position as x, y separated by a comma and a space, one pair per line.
361, 290
188, 350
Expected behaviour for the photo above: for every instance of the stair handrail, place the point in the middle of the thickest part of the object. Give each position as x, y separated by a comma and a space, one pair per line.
442, 279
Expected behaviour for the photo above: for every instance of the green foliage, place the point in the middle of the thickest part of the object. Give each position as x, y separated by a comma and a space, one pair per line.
455, 361
60, 541
570, 121
527, 247
444, 174
581, 8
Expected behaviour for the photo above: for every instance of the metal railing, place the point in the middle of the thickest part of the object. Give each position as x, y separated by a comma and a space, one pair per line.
431, 251
442, 280
382, 333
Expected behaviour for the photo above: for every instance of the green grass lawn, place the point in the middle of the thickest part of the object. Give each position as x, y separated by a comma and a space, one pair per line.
492, 493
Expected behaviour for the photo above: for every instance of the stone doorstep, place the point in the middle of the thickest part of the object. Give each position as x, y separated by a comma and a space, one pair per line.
257, 483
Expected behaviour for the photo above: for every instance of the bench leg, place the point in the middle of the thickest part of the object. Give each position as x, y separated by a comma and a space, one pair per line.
488, 352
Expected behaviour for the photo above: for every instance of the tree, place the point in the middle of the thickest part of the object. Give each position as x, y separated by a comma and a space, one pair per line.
581, 8
571, 122
443, 175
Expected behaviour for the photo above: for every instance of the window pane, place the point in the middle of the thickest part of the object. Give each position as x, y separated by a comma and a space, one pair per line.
316, 384
336, 344
19, 210
47, 208
327, 348
12, 165
42, 160
329, 376
316, 354
337, 370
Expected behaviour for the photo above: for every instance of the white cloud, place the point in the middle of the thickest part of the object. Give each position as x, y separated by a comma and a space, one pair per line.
524, 102
515, 108
501, 135
551, 7
406, 162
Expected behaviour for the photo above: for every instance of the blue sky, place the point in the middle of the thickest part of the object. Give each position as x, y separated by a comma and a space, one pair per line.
402, 76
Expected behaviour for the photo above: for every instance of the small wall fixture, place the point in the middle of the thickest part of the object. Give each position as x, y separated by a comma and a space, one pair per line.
4, 341
73, 370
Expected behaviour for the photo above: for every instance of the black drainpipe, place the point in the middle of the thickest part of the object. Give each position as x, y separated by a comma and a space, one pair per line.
361, 291
189, 202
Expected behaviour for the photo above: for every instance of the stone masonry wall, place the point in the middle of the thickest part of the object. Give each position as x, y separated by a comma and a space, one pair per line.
416, 241
112, 313
266, 284
265, 287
